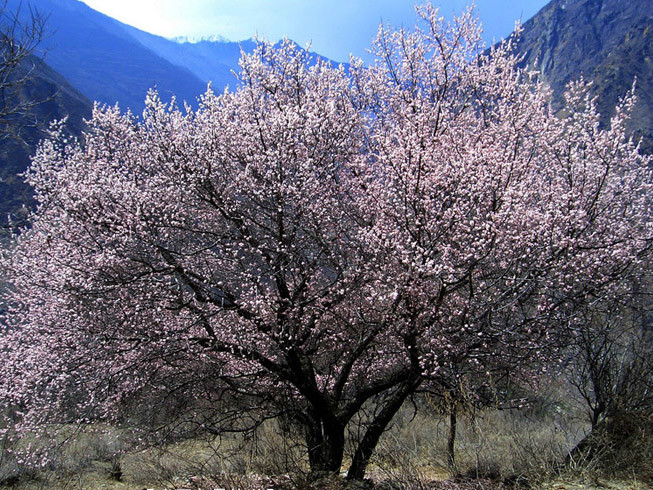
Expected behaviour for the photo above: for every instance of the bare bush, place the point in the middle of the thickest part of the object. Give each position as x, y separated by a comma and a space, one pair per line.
19, 37
612, 372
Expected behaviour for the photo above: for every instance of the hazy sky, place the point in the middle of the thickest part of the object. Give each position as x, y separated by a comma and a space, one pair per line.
334, 27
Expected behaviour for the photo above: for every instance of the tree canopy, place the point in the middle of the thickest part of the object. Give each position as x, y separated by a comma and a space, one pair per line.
320, 239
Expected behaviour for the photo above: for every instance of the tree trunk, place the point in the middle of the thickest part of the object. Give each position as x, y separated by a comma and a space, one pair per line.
451, 440
326, 444
373, 433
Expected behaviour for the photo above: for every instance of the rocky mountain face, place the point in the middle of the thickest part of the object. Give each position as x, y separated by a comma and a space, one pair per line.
609, 42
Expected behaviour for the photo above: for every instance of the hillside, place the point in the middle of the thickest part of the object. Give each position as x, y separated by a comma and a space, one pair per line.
95, 54
609, 42
55, 99
91, 56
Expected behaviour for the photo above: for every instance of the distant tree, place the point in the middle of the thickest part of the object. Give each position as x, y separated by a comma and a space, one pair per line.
22, 103
19, 37
318, 242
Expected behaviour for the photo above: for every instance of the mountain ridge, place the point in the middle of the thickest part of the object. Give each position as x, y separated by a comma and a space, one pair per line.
91, 56
210, 61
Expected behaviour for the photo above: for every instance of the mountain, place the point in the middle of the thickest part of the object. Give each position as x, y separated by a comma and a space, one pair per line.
113, 62
97, 56
53, 98
609, 42
212, 61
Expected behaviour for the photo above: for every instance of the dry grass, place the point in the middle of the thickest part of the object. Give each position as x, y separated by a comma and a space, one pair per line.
494, 449
496, 445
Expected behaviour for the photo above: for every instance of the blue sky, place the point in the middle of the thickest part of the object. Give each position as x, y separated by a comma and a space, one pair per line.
334, 28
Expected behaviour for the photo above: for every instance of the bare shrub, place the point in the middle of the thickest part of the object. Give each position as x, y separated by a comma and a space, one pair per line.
612, 372
527, 444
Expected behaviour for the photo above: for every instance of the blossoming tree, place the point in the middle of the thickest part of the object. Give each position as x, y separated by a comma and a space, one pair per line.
319, 240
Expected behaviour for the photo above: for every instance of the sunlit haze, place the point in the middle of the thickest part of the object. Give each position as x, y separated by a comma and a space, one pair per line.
334, 28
